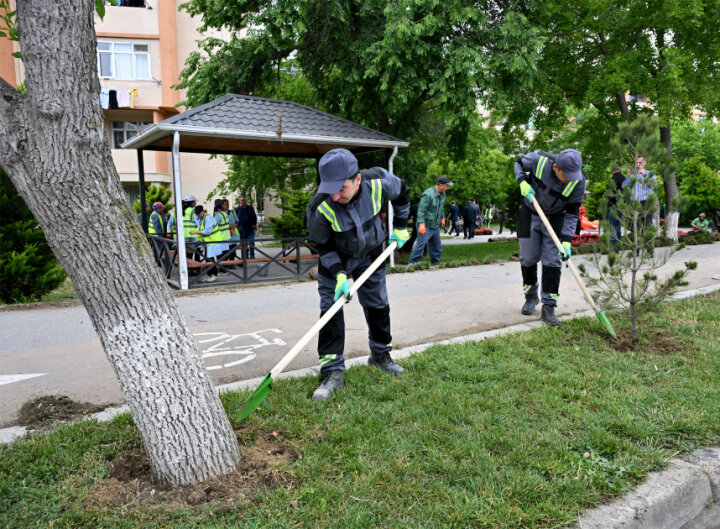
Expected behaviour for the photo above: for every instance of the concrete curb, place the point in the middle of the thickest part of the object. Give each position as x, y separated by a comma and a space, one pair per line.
684, 496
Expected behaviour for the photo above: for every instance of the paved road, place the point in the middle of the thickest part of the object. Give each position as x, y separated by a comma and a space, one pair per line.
244, 332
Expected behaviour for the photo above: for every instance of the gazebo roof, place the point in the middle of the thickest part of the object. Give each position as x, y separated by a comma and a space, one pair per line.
240, 124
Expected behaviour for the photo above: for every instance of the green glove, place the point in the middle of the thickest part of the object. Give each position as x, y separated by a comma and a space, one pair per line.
526, 190
568, 251
401, 236
342, 287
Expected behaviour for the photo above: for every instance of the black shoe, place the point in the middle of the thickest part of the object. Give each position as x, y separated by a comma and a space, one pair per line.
384, 362
548, 315
331, 381
530, 303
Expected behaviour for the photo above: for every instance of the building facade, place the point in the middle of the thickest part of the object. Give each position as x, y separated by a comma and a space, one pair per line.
142, 46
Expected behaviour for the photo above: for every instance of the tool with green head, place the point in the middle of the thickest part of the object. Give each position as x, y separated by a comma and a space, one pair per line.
265, 387
600, 314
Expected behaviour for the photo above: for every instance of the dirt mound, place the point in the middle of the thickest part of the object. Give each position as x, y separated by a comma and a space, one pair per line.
130, 481
48, 410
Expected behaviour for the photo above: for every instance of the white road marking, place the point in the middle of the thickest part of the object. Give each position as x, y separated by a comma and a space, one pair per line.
227, 345
9, 379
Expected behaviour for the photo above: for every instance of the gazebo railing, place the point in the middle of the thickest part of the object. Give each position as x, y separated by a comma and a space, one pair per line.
293, 258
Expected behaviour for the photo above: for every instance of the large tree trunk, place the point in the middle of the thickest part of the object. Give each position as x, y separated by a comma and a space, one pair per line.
54, 148
671, 190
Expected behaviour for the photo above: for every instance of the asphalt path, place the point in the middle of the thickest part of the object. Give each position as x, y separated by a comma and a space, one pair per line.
243, 331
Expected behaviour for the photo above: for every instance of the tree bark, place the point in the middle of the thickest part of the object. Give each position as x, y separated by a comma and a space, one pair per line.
671, 190
54, 148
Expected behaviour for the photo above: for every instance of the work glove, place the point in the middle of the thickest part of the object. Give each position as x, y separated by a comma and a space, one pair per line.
342, 287
568, 251
421, 228
442, 222
401, 236
526, 190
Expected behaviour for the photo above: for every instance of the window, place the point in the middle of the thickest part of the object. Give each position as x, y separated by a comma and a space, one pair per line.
122, 131
131, 3
123, 60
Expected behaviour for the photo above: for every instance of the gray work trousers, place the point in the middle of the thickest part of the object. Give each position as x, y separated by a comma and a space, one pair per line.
537, 245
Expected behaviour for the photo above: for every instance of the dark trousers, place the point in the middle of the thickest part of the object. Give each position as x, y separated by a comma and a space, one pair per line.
469, 229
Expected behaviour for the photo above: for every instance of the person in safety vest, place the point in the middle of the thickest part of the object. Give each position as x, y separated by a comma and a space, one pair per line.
344, 220
234, 231
223, 223
156, 228
209, 232
558, 186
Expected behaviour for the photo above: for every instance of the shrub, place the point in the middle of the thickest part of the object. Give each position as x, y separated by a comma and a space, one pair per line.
28, 268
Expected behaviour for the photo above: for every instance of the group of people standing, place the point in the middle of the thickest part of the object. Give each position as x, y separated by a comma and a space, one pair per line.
222, 231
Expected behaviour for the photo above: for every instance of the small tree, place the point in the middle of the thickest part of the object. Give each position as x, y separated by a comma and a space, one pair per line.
28, 268
156, 194
626, 280
292, 221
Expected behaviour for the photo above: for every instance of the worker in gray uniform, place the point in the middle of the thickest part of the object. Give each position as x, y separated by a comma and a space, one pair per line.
345, 223
558, 186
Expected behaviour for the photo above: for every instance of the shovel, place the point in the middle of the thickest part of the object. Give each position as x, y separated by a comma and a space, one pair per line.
600, 314
263, 390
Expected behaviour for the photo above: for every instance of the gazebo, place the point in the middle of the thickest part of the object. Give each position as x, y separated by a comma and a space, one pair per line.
256, 126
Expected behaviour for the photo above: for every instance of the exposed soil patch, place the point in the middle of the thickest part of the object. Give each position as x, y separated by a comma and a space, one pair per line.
651, 342
49, 410
130, 481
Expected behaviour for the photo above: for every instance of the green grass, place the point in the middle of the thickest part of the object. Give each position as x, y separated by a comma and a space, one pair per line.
454, 255
520, 431
65, 291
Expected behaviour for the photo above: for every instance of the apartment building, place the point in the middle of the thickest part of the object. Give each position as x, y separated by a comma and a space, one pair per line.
142, 46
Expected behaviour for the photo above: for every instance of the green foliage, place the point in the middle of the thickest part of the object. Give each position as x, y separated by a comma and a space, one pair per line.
699, 189
292, 221
28, 268
155, 193
697, 139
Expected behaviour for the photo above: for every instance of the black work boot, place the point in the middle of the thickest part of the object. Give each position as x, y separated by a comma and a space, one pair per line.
548, 315
530, 303
331, 381
384, 362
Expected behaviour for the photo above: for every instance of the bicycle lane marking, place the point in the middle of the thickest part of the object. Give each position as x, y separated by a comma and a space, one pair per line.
226, 344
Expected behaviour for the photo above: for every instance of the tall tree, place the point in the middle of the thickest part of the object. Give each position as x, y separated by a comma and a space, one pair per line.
54, 148
594, 52
401, 67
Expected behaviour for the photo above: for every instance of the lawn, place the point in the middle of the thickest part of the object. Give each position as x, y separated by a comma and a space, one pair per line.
467, 254
520, 431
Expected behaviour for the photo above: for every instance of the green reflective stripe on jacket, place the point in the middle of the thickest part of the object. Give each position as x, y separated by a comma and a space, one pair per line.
224, 226
188, 222
569, 188
376, 196
540, 167
329, 214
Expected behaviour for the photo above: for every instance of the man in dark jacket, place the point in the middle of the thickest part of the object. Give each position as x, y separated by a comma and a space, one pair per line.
344, 220
613, 216
469, 213
247, 222
558, 186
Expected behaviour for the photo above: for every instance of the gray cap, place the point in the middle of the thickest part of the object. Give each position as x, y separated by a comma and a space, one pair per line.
443, 180
570, 162
190, 198
702, 214
335, 167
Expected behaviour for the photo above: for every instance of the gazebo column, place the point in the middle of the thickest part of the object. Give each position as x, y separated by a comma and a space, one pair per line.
179, 215
141, 183
390, 208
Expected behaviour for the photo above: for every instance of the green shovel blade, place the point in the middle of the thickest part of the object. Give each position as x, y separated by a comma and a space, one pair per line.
262, 391
601, 316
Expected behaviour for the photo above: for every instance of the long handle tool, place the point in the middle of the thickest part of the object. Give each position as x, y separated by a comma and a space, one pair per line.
263, 390
600, 314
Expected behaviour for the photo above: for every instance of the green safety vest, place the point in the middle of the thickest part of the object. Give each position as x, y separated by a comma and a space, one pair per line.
151, 224
215, 235
188, 222
224, 226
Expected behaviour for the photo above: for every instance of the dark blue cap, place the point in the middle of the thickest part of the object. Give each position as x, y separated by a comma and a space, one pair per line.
335, 167
570, 162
